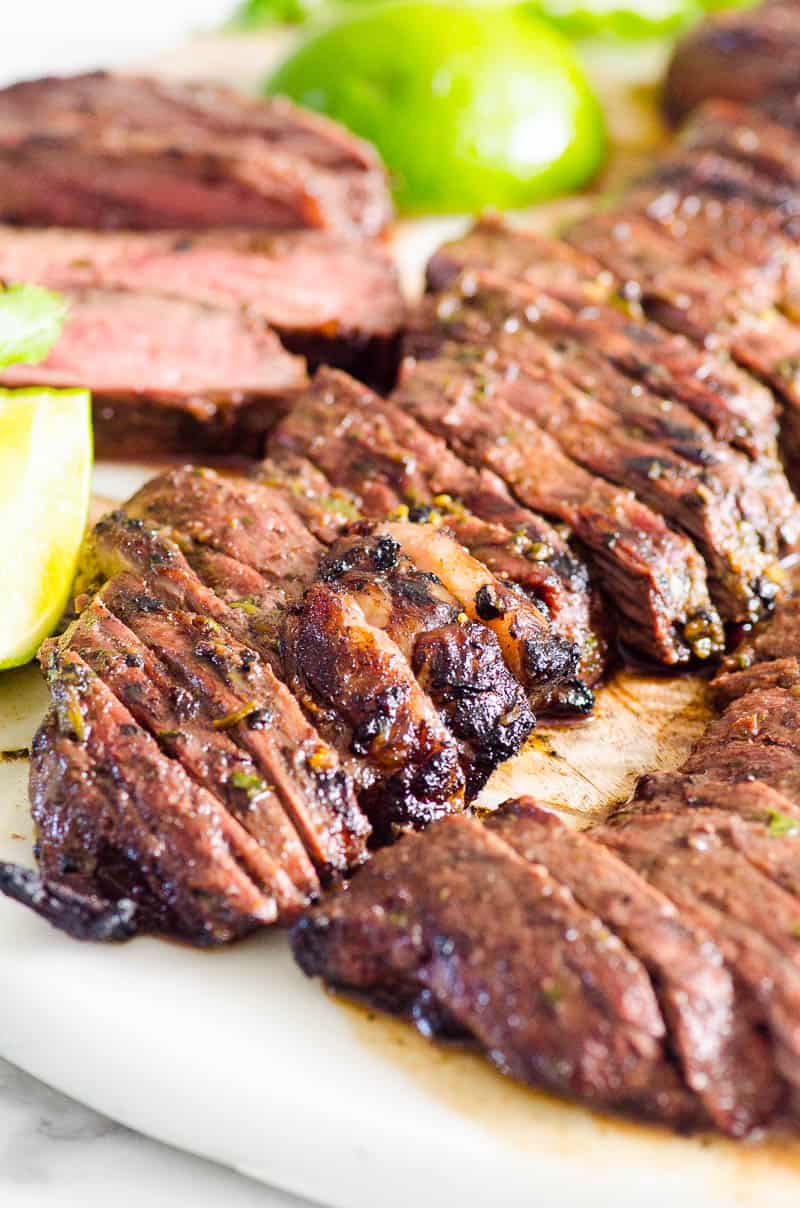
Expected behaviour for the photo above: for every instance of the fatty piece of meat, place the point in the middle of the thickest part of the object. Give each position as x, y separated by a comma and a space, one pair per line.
162, 368
654, 576
455, 929
175, 718
101, 150
247, 537
459, 663
99, 781
330, 299
356, 682
723, 1059
390, 464
535, 655
689, 858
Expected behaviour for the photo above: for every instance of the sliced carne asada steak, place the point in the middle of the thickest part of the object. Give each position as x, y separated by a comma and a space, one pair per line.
744, 56
692, 859
459, 662
653, 575
609, 337
248, 546
455, 929
100, 784
329, 298
389, 464
722, 1057
167, 374
101, 150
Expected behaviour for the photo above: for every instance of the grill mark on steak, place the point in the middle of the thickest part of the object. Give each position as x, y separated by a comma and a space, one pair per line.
653, 575
722, 1058
191, 854
691, 497
458, 663
237, 689
121, 548
389, 464
690, 859
697, 384
377, 698
173, 154
174, 717
457, 930
329, 298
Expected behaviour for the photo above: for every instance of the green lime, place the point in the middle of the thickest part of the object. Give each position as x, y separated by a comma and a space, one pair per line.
30, 323
470, 107
45, 477
627, 19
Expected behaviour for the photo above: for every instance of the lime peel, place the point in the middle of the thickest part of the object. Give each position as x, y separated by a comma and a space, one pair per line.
469, 106
45, 485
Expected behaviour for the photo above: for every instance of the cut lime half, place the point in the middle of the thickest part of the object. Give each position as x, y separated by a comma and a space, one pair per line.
45, 483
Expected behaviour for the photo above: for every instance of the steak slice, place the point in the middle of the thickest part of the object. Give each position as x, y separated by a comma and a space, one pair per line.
207, 647
246, 542
458, 662
329, 298
691, 858
457, 930
653, 575
723, 1059
691, 497
99, 783
102, 150
597, 338
389, 465
744, 56
174, 717
168, 374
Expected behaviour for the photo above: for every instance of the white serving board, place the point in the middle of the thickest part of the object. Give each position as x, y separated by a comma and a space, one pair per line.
235, 1056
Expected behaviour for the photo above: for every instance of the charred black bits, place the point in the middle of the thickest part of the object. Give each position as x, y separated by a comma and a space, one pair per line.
487, 605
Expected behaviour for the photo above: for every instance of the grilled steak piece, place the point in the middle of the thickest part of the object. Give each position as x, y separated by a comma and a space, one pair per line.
653, 575
99, 783
247, 544
102, 150
692, 858
390, 464
457, 930
744, 56
689, 496
459, 663
75, 908
174, 716
168, 374
597, 345
723, 1059
329, 298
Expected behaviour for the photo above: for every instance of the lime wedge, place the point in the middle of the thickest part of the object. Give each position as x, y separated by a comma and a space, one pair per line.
45, 481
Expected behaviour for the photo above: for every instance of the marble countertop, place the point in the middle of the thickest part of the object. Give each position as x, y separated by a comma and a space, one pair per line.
54, 1153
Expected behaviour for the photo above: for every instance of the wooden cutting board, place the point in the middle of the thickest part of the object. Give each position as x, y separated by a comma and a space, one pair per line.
235, 1056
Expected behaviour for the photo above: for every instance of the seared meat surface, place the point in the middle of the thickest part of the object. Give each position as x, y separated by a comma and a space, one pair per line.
329, 298
179, 155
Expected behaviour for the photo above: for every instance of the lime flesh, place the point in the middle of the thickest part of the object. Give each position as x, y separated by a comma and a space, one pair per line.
45, 481
470, 107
